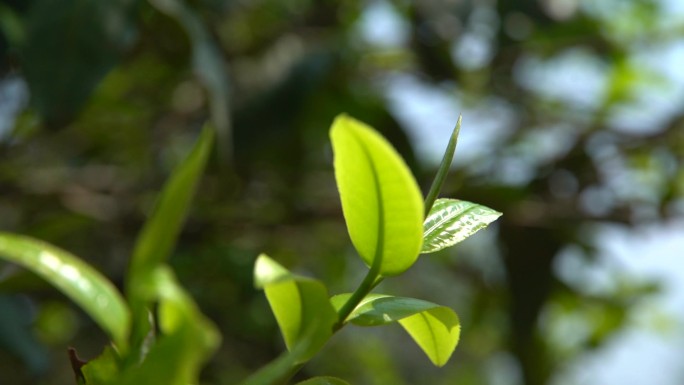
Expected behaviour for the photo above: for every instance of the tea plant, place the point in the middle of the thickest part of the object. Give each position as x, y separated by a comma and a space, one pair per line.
159, 336
389, 226
137, 354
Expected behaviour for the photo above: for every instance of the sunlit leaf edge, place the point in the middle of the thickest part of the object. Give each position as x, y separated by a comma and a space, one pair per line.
79, 281
380, 225
444, 228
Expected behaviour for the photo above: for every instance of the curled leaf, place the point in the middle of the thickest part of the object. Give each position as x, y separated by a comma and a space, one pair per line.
300, 306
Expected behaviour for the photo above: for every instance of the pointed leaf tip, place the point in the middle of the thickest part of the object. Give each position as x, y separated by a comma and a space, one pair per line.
381, 201
451, 221
267, 271
436, 331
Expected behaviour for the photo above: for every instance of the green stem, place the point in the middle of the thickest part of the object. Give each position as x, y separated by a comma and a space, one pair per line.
443, 168
371, 280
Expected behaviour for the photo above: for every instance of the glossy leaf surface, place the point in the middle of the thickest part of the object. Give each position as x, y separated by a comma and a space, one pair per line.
327, 380
451, 221
381, 201
381, 309
300, 306
434, 328
436, 331
96, 295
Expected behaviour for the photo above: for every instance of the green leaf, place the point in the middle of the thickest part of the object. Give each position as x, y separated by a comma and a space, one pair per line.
436, 331
103, 370
300, 306
381, 309
187, 338
381, 201
443, 168
96, 295
158, 236
267, 271
324, 381
435, 328
451, 221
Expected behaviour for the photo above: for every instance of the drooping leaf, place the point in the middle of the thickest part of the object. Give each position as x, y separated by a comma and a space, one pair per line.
381, 309
451, 221
327, 380
381, 201
436, 331
435, 328
300, 306
187, 338
96, 295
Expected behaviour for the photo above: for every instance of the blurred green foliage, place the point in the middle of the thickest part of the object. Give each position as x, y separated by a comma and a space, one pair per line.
118, 90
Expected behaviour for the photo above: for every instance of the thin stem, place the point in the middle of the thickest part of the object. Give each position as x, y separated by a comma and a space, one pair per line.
371, 280
443, 168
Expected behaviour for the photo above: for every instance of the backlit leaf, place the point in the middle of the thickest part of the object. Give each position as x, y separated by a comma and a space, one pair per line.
434, 328
96, 295
436, 331
381, 201
300, 306
451, 221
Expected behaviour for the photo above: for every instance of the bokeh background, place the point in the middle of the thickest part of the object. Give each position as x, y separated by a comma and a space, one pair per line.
573, 127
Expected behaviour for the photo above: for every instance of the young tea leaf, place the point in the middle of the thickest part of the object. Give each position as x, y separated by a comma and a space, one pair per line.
268, 271
436, 331
451, 221
96, 295
381, 309
381, 201
300, 306
435, 328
